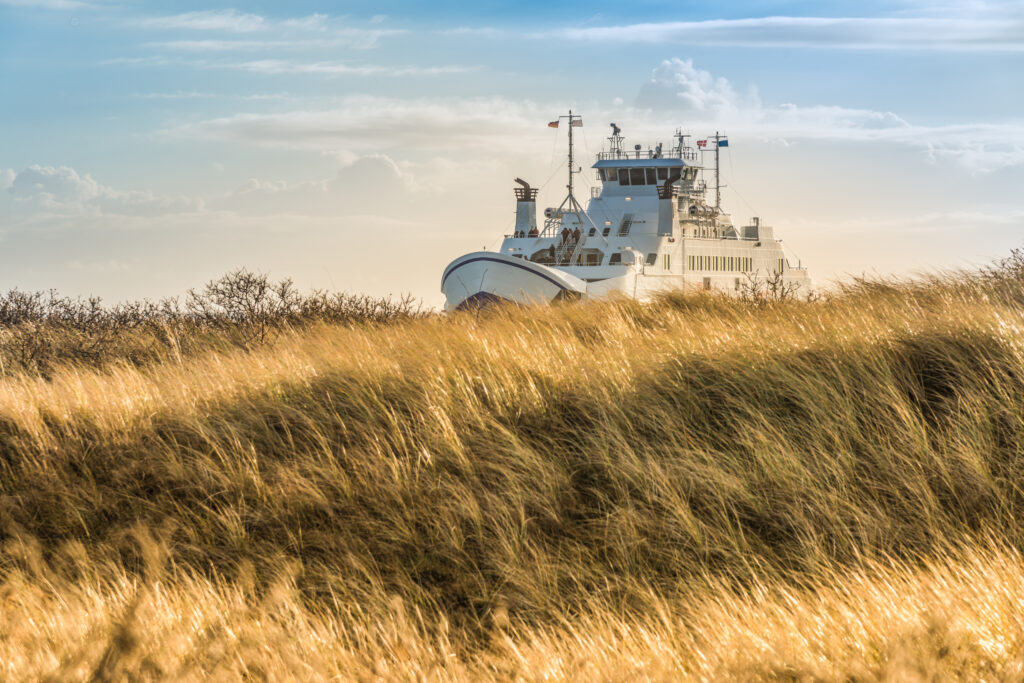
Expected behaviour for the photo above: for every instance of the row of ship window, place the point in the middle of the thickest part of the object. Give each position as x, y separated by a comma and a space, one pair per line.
722, 263
635, 176
643, 176
741, 263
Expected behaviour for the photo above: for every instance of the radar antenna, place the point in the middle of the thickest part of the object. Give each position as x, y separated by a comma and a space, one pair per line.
615, 142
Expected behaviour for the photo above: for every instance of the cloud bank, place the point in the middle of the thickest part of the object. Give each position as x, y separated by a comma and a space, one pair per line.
989, 34
61, 190
677, 93
678, 87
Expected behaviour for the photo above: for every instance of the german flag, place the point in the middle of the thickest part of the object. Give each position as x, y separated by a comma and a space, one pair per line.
553, 124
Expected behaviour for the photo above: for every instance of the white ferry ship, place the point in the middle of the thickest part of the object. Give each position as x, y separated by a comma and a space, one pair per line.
649, 227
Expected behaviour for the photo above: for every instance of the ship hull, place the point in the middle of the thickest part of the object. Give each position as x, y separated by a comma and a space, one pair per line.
486, 277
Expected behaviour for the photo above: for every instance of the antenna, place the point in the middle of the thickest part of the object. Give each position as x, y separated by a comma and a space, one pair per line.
718, 184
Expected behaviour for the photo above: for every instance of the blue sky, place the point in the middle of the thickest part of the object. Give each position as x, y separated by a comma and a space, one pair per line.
147, 147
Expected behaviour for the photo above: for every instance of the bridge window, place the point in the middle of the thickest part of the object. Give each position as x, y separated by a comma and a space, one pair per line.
610, 174
623, 176
637, 176
652, 258
652, 176
615, 258
662, 174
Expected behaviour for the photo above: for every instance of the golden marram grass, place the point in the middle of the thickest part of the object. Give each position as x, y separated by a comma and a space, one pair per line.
696, 488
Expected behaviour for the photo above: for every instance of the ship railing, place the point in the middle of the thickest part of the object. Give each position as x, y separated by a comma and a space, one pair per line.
719, 238
574, 259
625, 155
564, 248
552, 226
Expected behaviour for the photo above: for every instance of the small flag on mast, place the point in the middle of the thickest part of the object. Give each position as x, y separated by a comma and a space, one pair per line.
723, 143
577, 122
702, 143
553, 124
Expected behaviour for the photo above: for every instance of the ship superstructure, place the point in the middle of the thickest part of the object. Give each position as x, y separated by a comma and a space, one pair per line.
648, 227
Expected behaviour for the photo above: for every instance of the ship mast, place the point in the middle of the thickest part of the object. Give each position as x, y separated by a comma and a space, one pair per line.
718, 184
570, 204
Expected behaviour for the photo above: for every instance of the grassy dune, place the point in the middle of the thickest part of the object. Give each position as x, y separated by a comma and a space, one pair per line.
699, 487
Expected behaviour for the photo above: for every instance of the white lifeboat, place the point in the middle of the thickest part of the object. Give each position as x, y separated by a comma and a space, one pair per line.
485, 277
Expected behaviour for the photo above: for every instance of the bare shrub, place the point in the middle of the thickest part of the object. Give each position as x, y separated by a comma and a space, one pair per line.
242, 308
771, 288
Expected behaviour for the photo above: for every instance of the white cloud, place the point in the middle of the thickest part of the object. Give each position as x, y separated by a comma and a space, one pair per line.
313, 31
355, 38
220, 45
274, 67
965, 32
677, 92
6, 178
485, 31
930, 222
230, 20
314, 22
47, 4
677, 87
363, 184
62, 190
279, 66
197, 95
178, 95
376, 123
60, 184
152, 60
677, 84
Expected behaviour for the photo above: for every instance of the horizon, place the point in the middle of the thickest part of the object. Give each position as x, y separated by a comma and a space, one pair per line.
146, 151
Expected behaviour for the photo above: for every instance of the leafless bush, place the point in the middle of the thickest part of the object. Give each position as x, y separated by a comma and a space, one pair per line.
1011, 267
768, 289
40, 329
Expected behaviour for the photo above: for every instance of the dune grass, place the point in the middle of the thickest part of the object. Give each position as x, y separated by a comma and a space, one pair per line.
698, 487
